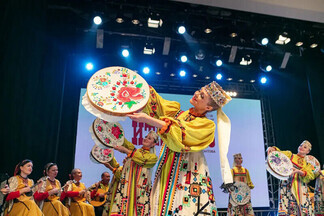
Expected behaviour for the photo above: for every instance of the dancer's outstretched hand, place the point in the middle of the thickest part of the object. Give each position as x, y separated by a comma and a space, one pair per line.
139, 117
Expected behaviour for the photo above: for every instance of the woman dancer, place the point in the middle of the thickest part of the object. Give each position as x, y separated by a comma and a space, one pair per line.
20, 198
132, 196
77, 194
294, 197
240, 174
182, 184
319, 193
49, 193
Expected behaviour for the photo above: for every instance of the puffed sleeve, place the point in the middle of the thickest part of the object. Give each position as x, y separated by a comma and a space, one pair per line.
287, 153
308, 173
128, 144
117, 172
114, 163
144, 158
157, 106
181, 134
248, 178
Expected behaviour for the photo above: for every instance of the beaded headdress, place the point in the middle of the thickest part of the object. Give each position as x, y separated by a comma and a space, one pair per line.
217, 93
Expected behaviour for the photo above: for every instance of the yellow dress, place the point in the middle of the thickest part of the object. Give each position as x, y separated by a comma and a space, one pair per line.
52, 204
78, 206
241, 174
182, 183
23, 205
133, 192
294, 197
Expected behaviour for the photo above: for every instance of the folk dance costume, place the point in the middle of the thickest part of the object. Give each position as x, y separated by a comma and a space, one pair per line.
294, 197
51, 204
133, 191
112, 187
21, 204
319, 194
76, 203
182, 184
241, 174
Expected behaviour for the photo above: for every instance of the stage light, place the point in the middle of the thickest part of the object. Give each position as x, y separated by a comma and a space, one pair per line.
233, 35
194, 75
299, 43
182, 73
268, 68
246, 60
263, 80
181, 29
208, 30
219, 62
89, 66
157, 73
200, 55
264, 41
219, 76
183, 58
146, 70
207, 77
97, 20
125, 53
149, 49
172, 74
252, 81
314, 45
240, 80
154, 21
229, 79
283, 39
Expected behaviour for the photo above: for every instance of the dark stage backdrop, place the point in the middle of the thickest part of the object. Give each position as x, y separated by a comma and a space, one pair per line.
41, 83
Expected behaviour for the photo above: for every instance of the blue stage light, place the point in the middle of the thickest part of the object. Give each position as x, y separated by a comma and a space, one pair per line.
219, 76
89, 66
184, 58
97, 20
146, 70
263, 80
125, 53
182, 73
268, 68
219, 62
264, 41
181, 29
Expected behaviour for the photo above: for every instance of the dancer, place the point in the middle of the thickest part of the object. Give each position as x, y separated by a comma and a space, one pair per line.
77, 196
294, 197
240, 174
182, 185
20, 199
113, 165
132, 196
99, 192
319, 193
49, 193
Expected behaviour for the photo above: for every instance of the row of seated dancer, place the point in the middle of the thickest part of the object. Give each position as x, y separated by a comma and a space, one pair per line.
50, 198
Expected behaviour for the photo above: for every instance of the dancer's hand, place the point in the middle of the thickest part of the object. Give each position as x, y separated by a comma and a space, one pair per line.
53, 191
297, 171
108, 166
5, 190
139, 117
271, 149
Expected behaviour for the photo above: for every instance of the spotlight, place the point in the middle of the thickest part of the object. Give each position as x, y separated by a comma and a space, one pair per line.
264, 41
183, 58
299, 43
182, 73
268, 68
229, 79
208, 30
194, 75
314, 45
154, 21
233, 35
125, 53
172, 74
158, 73
219, 62
146, 70
97, 20
181, 29
89, 66
246, 60
149, 49
283, 39
240, 80
263, 80
207, 77
219, 76
252, 81
200, 55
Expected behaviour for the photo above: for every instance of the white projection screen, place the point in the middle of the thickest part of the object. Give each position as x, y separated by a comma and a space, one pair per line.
246, 138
